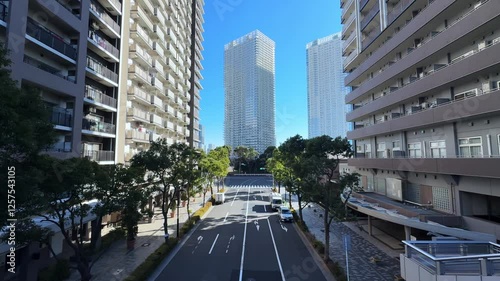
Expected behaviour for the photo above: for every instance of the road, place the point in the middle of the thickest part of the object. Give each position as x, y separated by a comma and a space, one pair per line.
242, 240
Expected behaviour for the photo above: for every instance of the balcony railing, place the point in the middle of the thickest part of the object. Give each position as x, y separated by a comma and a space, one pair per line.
137, 135
45, 67
103, 43
50, 39
370, 15
98, 67
60, 147
99, 155
104, 16
349, 40
61, 116
139, 93
4, 11
350, 57
398, 9
346, 25
98, 126
99, 96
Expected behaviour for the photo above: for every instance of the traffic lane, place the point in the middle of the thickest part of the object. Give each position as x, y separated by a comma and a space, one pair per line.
248, 180
204, 246
296, 261
260, 262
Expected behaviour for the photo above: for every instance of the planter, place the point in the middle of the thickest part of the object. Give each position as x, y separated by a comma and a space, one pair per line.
183, 204
130, 244
172, 214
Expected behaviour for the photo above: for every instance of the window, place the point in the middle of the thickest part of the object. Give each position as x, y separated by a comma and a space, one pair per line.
415, 150
368, 150
396, 145
381, 150
470, 147
438, 149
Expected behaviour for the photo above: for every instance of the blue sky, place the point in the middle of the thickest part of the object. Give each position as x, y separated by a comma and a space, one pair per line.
291, 24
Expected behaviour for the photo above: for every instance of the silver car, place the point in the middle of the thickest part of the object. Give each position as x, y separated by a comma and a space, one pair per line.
285, 214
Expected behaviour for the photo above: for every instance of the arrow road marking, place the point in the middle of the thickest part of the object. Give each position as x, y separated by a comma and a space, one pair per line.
283, 227
199, 241
229, 243
216, 237
256, 225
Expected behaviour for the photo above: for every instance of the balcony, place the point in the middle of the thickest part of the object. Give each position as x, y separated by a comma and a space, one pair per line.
45, 67
157, 102
137, 94
370, 15
60, 147
98, 97
108, 25
99, 155
98, 126
137, 52
101, 73
50, 39
149, 6
348, 23
138, 32
140, 74
138, 13
103, 47
473, 167
138, 115
155, 119
350, 58
158, 50
398, 10
138, 136
157, 84
4, 12
158, 33
61, 117
113, 6
158, 16
347, 7
349, 41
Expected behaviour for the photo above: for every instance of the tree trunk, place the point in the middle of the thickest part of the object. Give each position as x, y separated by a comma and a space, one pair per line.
290, 199
84, 270
164, 211
299, 200
95, 239
279, 187
327, 237
204, 194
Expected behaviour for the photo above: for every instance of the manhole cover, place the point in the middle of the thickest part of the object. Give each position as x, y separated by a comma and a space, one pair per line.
145, 244
118, 271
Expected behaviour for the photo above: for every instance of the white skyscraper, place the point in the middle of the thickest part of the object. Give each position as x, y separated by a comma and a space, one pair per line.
325, 88
249, 92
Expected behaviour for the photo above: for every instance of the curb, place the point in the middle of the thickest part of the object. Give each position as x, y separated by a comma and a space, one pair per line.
172, 253
319, 261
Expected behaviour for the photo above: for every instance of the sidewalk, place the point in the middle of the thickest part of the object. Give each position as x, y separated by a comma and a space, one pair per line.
363, 247
117, 262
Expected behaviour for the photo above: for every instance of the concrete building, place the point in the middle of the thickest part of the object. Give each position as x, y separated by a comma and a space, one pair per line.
426, 112
162, 86
70, 50
325, 88
249, 92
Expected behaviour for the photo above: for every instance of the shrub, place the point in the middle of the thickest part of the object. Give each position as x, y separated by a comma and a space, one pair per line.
113, 236
56, 272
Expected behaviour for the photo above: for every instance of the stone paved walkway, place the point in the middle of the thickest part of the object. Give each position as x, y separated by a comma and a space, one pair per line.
117, 262
360, 267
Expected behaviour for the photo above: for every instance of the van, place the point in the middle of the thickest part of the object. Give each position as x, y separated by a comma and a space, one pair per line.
219, 198
275, 200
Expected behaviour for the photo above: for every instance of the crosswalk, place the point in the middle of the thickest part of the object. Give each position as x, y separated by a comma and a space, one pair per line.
249, 186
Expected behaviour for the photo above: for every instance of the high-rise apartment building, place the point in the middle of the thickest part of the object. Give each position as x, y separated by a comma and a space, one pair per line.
163, 74
426, 111
70, 50
249, 92
325, 88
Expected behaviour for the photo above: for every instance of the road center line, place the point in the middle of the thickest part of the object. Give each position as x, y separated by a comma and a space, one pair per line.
245, 237
235, 197
213, 243
226, 216
276, 250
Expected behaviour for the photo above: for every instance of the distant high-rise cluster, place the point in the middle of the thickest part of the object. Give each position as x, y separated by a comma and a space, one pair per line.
325, 88
249, 92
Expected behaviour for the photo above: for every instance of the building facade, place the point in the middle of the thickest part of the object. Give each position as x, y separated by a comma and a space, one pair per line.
426, 105
162, 82
325, 88
249, 117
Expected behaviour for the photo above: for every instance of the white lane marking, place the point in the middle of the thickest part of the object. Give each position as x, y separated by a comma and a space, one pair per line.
276, 250
229, 243
216, 237
256, 225
199, 241
226, 216
244, 237
235, 197
265, 209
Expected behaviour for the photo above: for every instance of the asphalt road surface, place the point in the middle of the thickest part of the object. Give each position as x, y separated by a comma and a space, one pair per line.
243, 240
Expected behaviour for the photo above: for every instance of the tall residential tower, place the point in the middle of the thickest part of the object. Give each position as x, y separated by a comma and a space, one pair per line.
325, 88
249, 92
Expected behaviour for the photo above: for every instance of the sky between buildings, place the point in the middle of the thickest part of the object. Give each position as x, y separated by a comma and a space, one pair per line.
291, 24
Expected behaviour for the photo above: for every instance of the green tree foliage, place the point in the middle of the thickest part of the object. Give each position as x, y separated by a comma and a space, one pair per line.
275, 166
26, 130
244, 157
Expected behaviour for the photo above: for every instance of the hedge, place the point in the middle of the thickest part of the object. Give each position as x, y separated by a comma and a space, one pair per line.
56, 272
143, 271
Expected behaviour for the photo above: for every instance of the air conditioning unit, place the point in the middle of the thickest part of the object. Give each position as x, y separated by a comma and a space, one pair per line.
92, 110
424, 105
466, 94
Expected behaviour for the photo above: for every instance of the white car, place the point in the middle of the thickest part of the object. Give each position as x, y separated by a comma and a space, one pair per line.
285, 214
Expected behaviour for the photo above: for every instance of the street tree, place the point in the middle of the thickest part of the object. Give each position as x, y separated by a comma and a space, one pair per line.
275, 166
244, 156
323, 184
